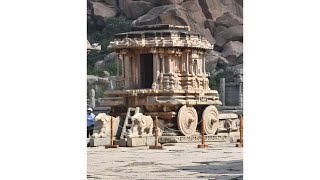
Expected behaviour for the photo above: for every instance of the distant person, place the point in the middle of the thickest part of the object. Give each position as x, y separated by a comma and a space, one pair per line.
90, 122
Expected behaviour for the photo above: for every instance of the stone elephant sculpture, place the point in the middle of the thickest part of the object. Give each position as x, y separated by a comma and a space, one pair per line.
141, 126
101, 125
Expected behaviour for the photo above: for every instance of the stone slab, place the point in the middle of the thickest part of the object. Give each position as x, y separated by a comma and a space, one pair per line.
193, 139
140, 141
121, 142
234, 136
94, 142
88, 142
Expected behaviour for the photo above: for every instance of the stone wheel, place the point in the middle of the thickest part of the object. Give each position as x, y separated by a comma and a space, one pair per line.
211, 120
187, 120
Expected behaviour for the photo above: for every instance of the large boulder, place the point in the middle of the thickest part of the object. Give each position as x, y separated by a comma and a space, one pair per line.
234, 69
103, 10
212, 8
240, 2
228, 19
218, 29
187, 14
100, 65
112, 3
196, 19
164, 2
97, 1
213, 59
234, 33
232, 50
111, 58
168, 14
210, 24
233, 6
134, 9
108, 59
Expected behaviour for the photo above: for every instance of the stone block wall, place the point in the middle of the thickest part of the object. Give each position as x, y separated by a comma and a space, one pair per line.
232, 94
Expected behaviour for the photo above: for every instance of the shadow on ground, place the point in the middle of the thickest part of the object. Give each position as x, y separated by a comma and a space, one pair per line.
231, 170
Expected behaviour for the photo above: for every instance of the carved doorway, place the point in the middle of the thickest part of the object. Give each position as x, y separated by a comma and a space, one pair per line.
146, 70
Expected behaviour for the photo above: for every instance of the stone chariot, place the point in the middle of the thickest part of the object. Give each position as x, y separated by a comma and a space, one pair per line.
161, 70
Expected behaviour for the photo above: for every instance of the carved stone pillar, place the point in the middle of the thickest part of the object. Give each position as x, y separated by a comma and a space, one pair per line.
222, 91
156, 71
92, 99
169, 63
162, 64
240, 95
204, 64
127, 71
120, 65
187, 63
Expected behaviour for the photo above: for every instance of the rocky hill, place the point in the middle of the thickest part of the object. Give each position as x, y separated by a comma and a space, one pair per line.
221, 21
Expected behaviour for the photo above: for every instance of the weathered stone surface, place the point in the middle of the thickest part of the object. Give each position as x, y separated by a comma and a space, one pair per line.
102, 131
91, 79
111, 58
141, 126
187, 14
210, 24
94, 142
100, 65
240, 2
234, 69
103, 10
168, 14
218, 29
233, 7
140, 141
135, 9
234, 33
121, 142
164, 2
96, 1
198, 18
228, 19
232, 50
208, 35
108, 59
101, 126
216, 73
234, 136
190, 139
212, 59
212, 8
112, 3
103, 81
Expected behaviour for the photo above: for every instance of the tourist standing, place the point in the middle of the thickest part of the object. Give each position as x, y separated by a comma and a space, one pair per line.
90, 122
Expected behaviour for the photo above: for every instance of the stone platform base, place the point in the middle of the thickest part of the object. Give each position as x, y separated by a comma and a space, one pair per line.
192, 139
234, 136
94, 142
140, 141
121, 142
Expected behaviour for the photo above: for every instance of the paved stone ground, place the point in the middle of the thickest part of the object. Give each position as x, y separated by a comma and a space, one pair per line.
177, 161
